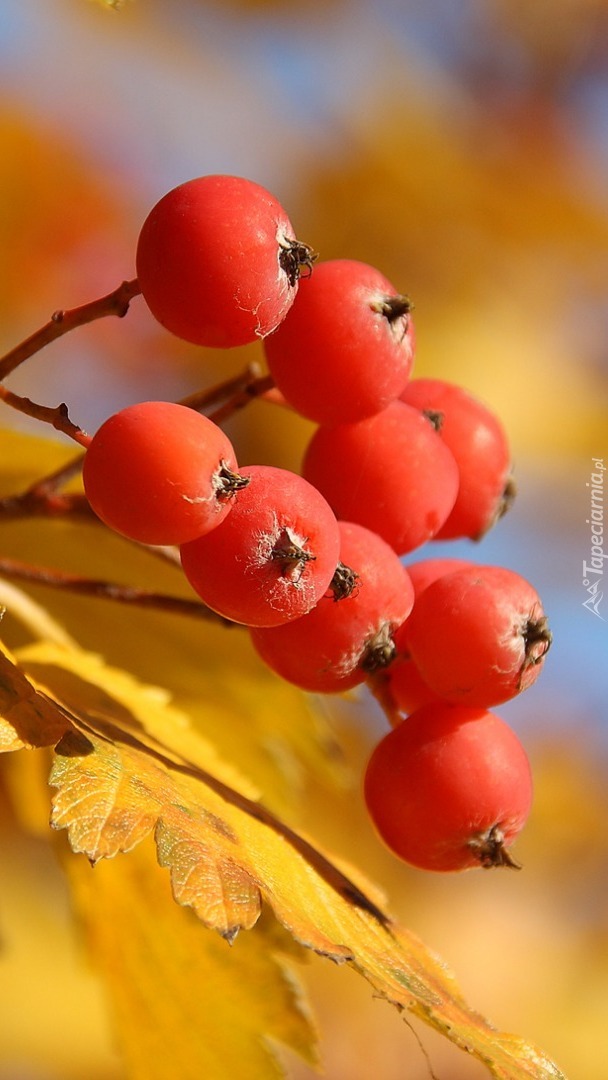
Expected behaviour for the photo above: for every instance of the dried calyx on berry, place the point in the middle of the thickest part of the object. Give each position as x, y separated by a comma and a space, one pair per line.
489, 848
394, 308
218, 263
290, 555
344, 582
275, 558
294, 256
227, 482
379, 651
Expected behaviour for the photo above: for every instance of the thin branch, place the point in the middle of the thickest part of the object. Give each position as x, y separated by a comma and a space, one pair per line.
48, 487
57, 417
273, 396
51, 483
255, 389
62, 321
45, 499
106, 590
73, 505
237, 384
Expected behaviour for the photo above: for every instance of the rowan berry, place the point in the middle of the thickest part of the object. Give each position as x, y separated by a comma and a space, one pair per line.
160, 473
276, 556
217, 261
481, 449
479, 635
346, 347
449, 788
390, 472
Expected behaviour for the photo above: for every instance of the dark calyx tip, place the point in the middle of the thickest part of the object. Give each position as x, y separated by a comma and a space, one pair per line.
294, 257
489, 848
344, 582
393, 307
228, 482
291, 556
434, 417
536, 632
503, 505
379, 651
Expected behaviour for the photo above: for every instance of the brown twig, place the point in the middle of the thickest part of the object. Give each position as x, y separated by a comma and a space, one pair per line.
44, 499
240, 390
57, 417
273, 396
237, 384
256, 388
106, 590
62, 321
51, 483
29, 504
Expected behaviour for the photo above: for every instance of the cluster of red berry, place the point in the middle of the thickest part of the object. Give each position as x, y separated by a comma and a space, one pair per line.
312, 563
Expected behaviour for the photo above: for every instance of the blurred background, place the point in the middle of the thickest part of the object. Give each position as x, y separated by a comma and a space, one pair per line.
462, 147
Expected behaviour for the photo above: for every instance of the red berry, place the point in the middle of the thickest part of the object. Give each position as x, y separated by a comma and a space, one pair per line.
478, 635
479, 444
391, 473
407, 689
217, 261
426, 571
333, 647
160, 473
346, 348
449, 788
274, 558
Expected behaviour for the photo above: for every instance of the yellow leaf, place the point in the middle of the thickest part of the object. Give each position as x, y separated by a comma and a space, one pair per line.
42, 977
184, 1003
226, 854
115, 697
27, 718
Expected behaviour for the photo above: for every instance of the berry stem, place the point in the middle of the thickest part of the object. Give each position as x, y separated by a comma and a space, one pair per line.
107, 590
62, 321
44, 499
379, 686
